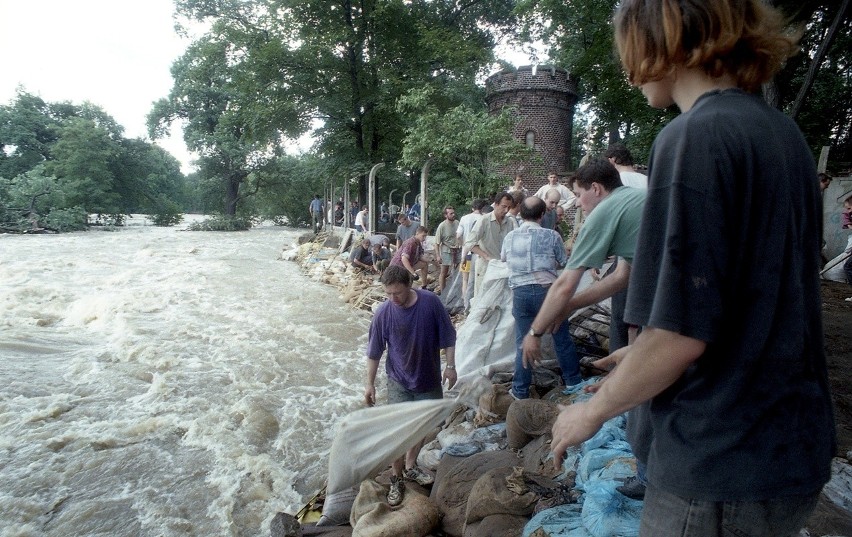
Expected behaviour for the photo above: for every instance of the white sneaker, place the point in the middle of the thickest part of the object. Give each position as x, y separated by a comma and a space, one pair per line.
419, 476
396, 492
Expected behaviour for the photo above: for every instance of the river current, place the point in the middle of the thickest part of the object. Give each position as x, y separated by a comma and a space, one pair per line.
160, 382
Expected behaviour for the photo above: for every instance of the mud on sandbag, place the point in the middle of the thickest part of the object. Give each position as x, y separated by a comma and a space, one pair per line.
371, 515
528, 419
491, 494
455, 479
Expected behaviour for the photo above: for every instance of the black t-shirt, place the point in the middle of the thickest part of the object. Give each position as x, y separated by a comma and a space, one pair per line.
728, 253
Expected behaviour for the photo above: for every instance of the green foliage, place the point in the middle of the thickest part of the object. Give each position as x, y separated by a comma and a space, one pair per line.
168, 213
66, 219
267, 72
65, 156
223, 223
579, 34
465, 144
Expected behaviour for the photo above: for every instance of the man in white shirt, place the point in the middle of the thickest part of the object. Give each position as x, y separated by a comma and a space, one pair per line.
466, 223
621, 158
566, 197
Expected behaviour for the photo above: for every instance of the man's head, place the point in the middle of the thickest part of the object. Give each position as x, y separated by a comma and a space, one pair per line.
532, 209
847, 204
450, 213
403, 219
518, 197
478, 204
397, 283
502, 204
365, 243
551, 199
421, 233
824, 180
593, 182
377, 248
518, 182
552, 178
618, 154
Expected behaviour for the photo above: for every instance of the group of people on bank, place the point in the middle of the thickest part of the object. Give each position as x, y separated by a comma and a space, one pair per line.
722, 368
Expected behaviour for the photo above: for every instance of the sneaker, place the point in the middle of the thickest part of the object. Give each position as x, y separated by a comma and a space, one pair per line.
632, 488
419, 476
396, 492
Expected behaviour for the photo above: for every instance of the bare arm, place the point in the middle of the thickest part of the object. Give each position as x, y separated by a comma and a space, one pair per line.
450, 375
370, 387
601, 289
480, 252
407, 264
649, 366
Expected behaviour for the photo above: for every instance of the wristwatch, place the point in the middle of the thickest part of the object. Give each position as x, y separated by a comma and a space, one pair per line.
533, 334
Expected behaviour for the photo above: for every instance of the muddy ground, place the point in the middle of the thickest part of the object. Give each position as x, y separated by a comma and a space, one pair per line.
837, 326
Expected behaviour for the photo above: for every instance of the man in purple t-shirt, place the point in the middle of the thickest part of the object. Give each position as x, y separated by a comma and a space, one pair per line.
414, 327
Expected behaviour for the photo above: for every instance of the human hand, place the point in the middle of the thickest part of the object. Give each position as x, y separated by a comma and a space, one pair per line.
370, 395
450, 377
573, 425
531, 347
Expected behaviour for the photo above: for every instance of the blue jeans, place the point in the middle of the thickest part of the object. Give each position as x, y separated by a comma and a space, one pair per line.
527, 300
667, 515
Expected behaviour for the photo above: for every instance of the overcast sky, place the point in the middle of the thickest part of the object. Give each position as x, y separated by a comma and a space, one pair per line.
113, 53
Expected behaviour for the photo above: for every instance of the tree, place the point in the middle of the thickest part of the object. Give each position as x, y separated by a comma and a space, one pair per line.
82, 150
82, 160
814, 86
286, 63
466, 146
27, 130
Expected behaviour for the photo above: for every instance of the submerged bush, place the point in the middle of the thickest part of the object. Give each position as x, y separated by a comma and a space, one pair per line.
223, 223
71, 219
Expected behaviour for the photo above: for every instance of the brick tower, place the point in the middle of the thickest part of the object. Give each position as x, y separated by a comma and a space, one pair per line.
544, 98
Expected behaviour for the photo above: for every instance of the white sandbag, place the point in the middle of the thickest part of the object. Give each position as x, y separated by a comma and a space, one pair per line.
337, 507
835, 271
486, 340
368, 440
839, 488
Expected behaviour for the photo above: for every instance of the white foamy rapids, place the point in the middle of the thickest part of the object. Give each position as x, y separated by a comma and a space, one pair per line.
161, 382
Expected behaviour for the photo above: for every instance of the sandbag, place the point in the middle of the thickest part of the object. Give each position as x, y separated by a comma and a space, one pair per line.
607, 512
493, 405
455, 479
451, 294
371, 515
497, 526
835, 270
527, 419
561, 521
490, 495
370, 439
337, 507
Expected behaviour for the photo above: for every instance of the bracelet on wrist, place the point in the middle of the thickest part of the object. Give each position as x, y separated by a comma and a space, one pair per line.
449, 367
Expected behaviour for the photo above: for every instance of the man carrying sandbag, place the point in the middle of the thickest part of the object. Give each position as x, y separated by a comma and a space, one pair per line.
414, 327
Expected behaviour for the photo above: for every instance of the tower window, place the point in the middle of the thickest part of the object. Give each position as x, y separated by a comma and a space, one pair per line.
530, 139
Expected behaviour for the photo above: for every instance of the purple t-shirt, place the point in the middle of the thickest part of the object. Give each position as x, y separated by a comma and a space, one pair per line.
414, 337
